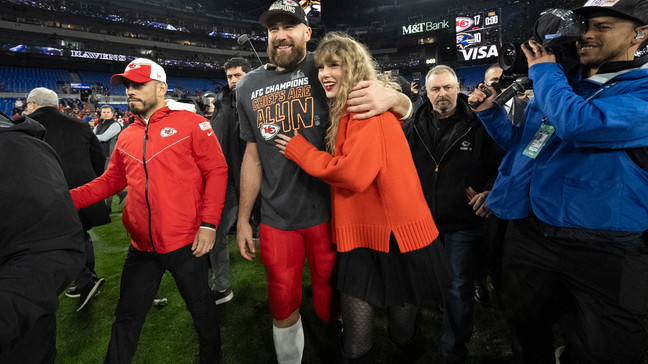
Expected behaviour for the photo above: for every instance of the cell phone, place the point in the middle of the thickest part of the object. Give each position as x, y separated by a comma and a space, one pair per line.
416, 77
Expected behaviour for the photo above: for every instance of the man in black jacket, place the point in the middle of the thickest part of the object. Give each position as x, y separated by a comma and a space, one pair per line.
226, 126
41, 242
83, 161
457, 162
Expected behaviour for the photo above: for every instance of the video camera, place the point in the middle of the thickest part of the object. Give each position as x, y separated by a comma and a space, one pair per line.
557, 30
206, 100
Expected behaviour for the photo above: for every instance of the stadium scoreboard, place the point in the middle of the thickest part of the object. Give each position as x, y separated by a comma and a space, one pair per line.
479, 35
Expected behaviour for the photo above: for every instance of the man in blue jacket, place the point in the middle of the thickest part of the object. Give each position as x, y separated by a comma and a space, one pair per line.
574, 182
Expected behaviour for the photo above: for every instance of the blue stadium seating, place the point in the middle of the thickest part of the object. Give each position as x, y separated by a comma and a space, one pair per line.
7, 104
471, 76
101, 78
19, 79
23, 80
191, 84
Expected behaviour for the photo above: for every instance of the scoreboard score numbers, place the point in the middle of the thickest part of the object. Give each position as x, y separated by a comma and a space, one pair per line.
478, 35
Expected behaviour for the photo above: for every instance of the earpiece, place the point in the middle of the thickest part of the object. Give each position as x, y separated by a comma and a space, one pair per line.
640, 35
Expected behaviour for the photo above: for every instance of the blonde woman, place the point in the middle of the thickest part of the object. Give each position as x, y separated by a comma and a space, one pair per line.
381, 223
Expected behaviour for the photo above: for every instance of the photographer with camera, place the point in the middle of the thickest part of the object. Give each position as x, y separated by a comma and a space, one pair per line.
415, 87
516, 105
573, 181
208, 107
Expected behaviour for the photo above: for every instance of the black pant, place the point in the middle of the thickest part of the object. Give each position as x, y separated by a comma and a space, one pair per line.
88, 272
139, 284
592, 283
29, 287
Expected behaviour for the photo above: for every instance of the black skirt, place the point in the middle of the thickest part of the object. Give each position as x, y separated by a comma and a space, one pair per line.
390, 279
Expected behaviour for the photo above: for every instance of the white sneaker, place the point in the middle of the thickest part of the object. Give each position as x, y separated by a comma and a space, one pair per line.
223, 296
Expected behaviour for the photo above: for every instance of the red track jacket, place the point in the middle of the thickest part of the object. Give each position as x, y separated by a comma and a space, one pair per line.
176, 176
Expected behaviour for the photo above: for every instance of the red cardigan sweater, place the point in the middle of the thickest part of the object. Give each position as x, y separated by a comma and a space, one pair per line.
374, 185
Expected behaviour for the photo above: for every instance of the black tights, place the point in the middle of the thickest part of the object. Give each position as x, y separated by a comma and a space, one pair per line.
357, 314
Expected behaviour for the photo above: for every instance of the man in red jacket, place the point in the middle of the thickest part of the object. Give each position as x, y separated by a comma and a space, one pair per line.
176, 176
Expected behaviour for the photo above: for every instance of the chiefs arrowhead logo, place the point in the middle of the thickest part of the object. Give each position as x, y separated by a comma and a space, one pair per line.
268, 131
167, 132
463, 23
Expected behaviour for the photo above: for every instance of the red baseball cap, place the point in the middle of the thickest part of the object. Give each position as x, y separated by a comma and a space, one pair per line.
140, 70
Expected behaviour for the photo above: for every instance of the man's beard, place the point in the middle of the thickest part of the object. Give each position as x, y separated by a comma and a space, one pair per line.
443, 105
141, 111
287, 61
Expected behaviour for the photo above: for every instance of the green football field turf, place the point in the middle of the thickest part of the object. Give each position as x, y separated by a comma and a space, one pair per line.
168, 335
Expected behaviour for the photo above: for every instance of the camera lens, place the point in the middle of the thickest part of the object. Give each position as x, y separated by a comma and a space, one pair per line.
508, 55
512, 59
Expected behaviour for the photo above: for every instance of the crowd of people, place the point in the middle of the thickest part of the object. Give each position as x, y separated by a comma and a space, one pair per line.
77, 109
393, 200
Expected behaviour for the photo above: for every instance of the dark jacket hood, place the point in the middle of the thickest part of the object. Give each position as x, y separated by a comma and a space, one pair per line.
23, 124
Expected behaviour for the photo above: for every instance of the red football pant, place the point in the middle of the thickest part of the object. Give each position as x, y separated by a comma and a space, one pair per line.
283, 253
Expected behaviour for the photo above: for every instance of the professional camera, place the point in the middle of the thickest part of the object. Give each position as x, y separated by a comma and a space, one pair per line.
203, 103
557, 30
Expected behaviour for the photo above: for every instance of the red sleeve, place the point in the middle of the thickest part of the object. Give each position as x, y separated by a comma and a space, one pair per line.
358, 164
210, 159
109, 183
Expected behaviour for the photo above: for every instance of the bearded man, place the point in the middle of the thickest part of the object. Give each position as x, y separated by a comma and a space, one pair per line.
176, 176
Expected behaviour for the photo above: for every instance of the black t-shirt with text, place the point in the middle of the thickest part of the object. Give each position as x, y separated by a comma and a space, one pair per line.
272, 102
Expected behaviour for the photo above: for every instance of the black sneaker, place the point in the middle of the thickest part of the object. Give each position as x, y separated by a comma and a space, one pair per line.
88, 291
73, 291
223, 296
482, 295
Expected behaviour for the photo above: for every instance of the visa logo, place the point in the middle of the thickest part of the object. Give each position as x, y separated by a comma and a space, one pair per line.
479, 52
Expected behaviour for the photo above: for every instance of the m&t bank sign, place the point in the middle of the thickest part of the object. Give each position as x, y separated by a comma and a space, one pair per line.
423, 27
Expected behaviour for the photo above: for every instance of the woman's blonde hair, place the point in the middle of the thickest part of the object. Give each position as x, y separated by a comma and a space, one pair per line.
357, 65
